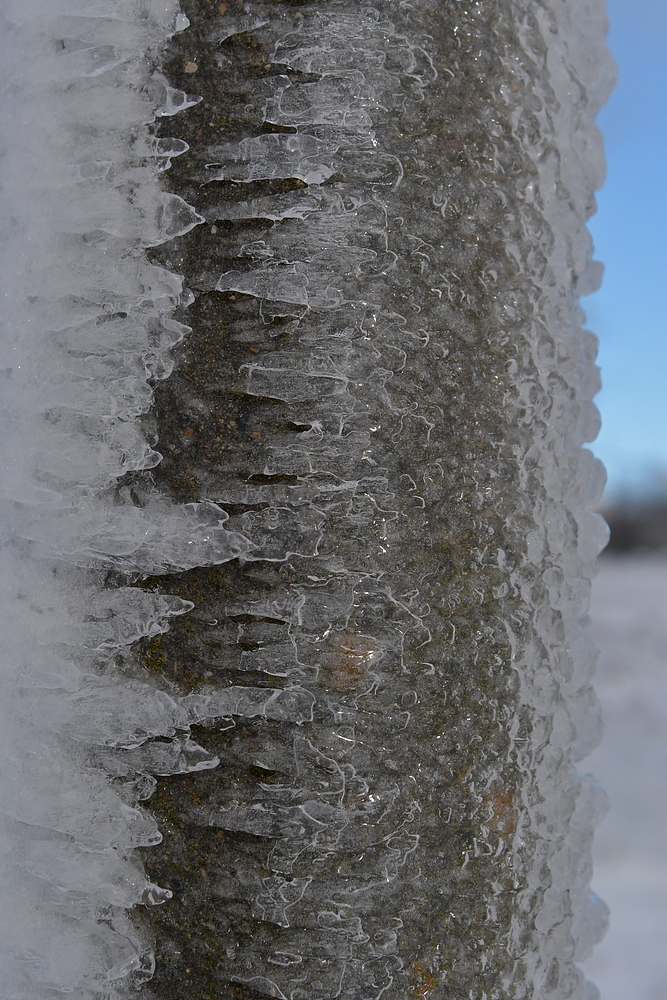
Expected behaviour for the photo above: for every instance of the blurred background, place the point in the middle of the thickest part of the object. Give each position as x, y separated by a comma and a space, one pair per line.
629, 602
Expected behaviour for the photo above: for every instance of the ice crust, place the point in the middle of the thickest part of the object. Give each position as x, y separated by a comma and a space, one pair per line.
88, 329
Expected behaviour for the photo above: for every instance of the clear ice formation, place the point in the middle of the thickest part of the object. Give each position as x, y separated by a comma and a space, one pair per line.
413, 509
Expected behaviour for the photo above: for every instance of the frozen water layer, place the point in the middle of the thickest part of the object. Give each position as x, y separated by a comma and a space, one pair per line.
86, 323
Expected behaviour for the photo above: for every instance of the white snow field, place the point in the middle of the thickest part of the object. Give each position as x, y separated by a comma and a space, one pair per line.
629, 624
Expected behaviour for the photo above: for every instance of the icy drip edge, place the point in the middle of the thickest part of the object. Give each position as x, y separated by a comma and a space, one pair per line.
86, 324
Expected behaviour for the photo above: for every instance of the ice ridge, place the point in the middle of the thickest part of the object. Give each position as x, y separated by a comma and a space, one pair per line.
87, 330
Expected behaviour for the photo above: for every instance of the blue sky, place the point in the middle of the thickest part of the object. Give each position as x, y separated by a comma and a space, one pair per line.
629, 313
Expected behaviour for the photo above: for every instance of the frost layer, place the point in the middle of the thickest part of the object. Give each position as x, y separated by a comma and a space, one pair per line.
384, 465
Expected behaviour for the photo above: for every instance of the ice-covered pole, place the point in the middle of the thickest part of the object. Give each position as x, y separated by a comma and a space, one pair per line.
387, 386
292, 706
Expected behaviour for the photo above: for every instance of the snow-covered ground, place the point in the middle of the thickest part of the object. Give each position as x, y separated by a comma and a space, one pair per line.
629, 624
